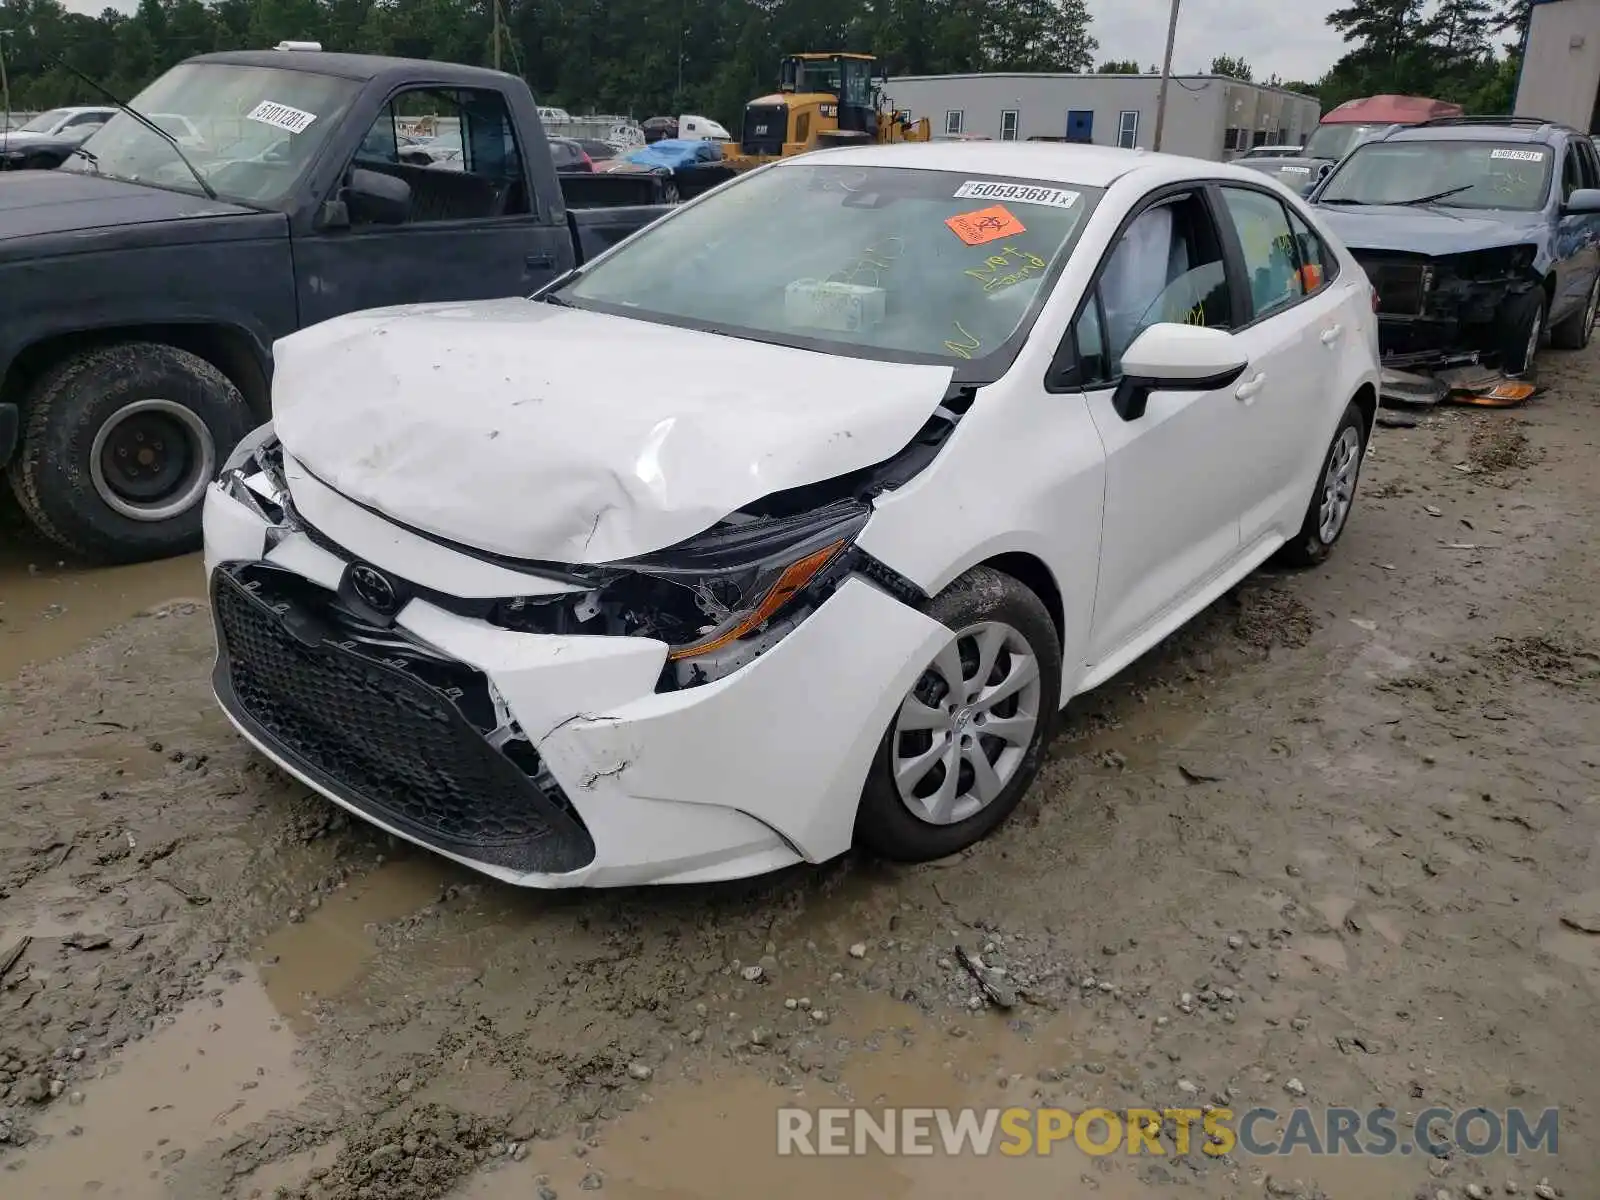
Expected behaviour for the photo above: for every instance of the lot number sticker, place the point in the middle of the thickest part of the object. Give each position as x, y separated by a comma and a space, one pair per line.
1016, 193
281, 116
1518, 155
985, 225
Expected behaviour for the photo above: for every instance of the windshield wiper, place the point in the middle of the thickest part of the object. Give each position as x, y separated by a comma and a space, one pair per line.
1326, 200
88, 156
211, 193
1438, 195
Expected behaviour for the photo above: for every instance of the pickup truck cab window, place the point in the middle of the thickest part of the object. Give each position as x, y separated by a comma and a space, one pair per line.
1450, 172
876, 262
472, 172
259, 128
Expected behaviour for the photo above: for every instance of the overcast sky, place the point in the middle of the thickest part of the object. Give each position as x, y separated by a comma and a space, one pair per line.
1290, 37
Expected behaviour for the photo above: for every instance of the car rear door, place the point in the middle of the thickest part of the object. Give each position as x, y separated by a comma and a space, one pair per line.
1293, 332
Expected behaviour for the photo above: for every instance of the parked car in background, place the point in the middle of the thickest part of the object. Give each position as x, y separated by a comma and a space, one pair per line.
48, 139
141, 291
1481, 235
1260, 152
1340, 131
481, 587
598, 151
569, 155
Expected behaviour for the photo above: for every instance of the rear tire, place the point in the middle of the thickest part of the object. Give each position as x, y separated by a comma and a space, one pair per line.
119, 444
926, 794
1575, 332
1328, 514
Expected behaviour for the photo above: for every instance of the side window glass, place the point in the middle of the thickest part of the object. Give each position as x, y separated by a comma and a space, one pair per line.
1590, 163
1167, 267
471, 170
1317, 265
1571, 172
1270, 259
1094, 367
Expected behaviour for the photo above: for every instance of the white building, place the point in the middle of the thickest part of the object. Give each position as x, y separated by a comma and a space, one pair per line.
1208, 116
1561, 64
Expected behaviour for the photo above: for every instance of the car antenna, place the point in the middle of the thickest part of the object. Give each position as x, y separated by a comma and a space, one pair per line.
211, 192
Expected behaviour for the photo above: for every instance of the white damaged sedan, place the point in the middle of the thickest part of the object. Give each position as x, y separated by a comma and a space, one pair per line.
790, 522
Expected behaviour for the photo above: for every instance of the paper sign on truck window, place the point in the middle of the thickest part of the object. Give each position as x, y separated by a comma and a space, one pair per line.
281, 116
1016, 193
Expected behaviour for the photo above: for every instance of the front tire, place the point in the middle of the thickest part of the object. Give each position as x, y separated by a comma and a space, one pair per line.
968, 739
1329, 511
1522, 318
119, 445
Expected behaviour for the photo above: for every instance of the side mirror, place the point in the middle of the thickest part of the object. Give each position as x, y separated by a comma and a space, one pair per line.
1175, 358
1583, 201
374, 198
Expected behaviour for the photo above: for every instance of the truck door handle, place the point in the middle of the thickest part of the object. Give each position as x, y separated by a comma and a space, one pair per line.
1247, 390
544, 259
1331, 334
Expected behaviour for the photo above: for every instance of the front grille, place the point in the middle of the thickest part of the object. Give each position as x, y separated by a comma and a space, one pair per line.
766, 126
1402, 283
388, 726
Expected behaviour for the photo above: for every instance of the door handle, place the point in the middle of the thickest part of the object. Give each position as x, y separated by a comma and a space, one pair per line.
1331, 334
540, 261
1247, 390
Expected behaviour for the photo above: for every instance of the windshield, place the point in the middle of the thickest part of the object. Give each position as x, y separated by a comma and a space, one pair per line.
45, 121
919, 266
249, 130
1459, 174
1333, 142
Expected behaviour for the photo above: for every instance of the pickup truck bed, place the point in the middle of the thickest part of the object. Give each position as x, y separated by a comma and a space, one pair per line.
138, 312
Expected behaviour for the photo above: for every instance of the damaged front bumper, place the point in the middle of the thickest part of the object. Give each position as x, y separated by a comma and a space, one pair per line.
545, 760
1440, 312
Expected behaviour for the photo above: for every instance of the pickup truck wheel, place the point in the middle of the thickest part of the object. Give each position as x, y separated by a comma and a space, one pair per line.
119, 446
1574, 333
1522, 319
969, 737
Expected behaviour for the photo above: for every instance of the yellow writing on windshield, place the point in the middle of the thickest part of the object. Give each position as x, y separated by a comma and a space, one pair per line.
965, 347
1010, 266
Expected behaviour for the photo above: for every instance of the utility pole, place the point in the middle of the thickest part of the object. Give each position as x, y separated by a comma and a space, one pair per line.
5, 84
496, 6
1166, 75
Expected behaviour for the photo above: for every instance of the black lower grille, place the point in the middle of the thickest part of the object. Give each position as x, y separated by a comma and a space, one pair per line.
387, 726
766, 128
1402, 283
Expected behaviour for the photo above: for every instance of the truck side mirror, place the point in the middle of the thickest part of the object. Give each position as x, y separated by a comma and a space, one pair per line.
374, 198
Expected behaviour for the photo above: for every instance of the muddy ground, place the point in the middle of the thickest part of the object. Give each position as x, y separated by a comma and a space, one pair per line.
1338, 836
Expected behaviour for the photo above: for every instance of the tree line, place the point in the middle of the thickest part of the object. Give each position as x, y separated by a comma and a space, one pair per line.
650, 57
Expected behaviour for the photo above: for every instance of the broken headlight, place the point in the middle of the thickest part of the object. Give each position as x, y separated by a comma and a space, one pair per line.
253, 475
718, 600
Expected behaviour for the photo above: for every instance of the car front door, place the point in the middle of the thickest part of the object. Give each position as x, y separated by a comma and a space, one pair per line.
1293, 333
1578, 234
473, 230
1171, 514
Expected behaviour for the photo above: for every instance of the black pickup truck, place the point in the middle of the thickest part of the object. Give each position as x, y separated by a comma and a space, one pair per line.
144, 281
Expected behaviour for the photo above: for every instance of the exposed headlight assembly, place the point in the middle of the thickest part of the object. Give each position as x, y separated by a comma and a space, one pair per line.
718, 600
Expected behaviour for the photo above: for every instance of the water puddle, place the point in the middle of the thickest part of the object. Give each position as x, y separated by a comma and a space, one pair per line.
223, 1063
326, 953
716, 1138
48, 609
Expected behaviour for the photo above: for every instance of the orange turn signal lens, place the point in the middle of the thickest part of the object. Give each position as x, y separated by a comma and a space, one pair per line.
795, 576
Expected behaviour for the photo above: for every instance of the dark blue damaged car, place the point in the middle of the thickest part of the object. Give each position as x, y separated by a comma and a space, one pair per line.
1481, 236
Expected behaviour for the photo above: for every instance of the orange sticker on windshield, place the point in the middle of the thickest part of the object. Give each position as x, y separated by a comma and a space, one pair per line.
985, 225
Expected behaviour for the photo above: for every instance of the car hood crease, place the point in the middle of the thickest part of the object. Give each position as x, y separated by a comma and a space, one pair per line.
553, 434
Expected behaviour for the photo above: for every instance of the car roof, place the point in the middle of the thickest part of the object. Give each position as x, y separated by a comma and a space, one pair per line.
1051, 162
1478, 131
359, 67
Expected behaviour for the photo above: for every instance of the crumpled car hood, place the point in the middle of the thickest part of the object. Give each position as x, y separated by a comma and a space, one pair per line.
545, 433
1421, 231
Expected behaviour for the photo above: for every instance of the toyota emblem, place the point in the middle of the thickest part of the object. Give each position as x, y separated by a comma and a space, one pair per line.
372, 588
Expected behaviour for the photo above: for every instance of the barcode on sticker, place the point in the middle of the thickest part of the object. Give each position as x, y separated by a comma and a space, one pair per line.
1518, 155
281, 116
1016, 193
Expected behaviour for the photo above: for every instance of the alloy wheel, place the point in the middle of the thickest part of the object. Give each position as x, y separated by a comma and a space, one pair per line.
963, 732
1339, 484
